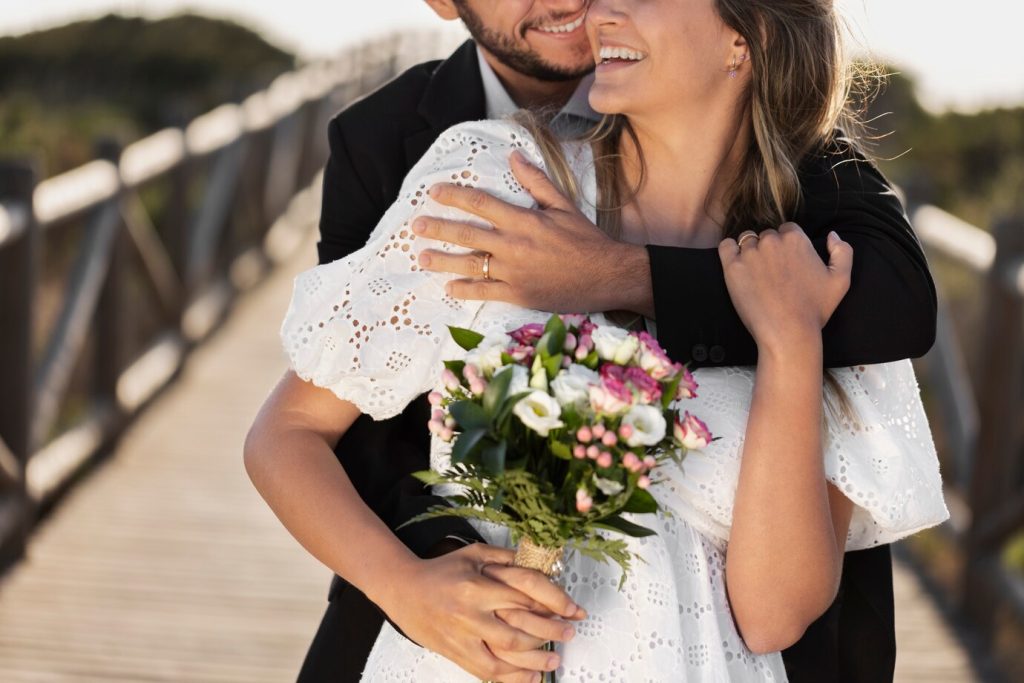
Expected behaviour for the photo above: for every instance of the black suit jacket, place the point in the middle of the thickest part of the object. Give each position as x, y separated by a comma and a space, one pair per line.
888, 314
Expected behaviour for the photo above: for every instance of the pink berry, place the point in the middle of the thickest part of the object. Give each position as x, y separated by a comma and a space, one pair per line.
435, 398
584, 435
650, 461
593, 452
605, 459
626, 431
437, 414
644, 481
579, 451
609, 439
599, 430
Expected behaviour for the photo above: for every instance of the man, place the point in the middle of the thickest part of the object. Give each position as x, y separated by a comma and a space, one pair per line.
534, 53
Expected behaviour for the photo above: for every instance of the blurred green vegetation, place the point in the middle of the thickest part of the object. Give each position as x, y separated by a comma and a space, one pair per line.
122, 78
972, 165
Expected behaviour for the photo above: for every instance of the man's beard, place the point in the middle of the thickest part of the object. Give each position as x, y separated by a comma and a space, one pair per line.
511, 55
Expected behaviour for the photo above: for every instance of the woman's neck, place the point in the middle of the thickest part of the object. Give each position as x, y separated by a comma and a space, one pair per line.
690, 159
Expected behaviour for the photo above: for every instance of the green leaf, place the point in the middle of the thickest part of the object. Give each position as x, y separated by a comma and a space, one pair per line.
641, 501
553, 364
616, 523
560, 450
496, 391
505, 411
465, 443
668, 392
553, 339
467, 339
469, 415
493, 457
455, 366
592, 360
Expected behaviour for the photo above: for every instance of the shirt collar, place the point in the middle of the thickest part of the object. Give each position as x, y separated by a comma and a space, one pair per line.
500, 104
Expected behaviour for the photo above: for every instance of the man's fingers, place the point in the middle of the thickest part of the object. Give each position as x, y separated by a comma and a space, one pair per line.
536, 625
538, 587
537, 183
462, 234
476, 202
468, 265
481, 290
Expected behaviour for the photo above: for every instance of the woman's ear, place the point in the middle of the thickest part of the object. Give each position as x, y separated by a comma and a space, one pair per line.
444, 8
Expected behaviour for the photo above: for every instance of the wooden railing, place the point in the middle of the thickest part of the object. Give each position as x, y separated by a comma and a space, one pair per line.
974, 380
110, 273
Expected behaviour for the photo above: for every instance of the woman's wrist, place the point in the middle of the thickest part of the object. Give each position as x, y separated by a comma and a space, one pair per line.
386, 590
801, 343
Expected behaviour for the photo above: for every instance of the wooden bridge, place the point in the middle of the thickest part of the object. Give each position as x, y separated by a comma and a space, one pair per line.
137, 549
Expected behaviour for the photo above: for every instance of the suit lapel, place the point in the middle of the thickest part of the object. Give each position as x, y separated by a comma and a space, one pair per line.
455, 94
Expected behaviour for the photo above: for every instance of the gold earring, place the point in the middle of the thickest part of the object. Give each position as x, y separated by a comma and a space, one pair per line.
735, 64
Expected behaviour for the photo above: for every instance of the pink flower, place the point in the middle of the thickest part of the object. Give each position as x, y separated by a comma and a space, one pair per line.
451, 382
610, 399
626, 431
447, 434
650, 462
631, 462
570, 342
528, 334
435, 398
584, 434
690, 432
579, 451
649, 389
573, 319
587, 326
583, 501
609, 439
581, 352
643, 482
605, 459
653, 358
477, 386
593, 452
687, 385
598, 430
437, 414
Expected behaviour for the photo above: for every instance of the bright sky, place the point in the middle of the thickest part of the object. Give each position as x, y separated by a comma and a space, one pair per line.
965, 54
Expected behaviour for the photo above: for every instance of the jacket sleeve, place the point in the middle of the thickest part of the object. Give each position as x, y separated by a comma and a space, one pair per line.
350, 208
888, 314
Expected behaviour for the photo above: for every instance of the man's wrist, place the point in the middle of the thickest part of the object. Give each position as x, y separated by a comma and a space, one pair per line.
627, 282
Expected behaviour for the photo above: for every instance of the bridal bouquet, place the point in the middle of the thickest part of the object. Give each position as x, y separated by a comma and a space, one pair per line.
559, 429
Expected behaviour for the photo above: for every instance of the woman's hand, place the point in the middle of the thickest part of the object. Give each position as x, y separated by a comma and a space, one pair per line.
491, 623
781, 289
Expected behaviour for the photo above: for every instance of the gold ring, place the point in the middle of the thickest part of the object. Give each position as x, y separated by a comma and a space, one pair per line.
748, 234
487, 266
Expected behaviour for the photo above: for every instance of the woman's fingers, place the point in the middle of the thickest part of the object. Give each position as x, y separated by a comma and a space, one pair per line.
539, 588
530, 660
840, 255
536, 625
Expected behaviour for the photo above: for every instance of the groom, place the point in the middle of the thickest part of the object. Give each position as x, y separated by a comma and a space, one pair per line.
532, 53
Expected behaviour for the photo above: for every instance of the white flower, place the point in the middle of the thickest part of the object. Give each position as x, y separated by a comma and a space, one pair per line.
487, 355
608, 487
648, 425
539, 412
538, 375
520, 380
572, 386
614, 343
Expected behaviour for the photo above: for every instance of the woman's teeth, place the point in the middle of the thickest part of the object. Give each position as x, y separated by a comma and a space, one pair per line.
564, 28
610, 53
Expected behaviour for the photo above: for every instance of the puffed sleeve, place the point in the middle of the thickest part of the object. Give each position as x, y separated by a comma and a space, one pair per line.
373, 327
879, 453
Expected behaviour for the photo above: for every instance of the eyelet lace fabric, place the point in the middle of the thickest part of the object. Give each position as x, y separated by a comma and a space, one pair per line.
372, 328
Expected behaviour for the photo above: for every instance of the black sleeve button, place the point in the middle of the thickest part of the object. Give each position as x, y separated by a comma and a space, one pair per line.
717, 354
699, 353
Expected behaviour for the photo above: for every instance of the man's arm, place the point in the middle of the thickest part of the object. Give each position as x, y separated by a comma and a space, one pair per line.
555, 259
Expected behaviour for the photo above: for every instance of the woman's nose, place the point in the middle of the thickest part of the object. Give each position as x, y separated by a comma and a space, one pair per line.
601, 12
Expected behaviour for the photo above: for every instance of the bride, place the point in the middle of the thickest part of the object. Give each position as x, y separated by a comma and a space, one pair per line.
808, 466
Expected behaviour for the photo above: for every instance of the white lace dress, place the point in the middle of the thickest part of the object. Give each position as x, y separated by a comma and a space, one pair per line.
373, 329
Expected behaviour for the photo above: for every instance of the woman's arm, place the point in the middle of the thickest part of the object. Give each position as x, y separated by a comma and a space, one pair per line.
445, 604
789, 526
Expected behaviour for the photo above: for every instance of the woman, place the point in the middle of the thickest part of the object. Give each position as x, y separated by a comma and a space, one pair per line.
743, 91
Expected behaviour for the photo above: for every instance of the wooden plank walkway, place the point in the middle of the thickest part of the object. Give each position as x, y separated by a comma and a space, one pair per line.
165, 565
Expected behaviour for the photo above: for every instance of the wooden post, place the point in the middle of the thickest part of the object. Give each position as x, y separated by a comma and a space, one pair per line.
110, 313
18, 276
999, 391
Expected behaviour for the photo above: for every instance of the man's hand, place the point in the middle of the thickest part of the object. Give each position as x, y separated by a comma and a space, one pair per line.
550, 259
491, 625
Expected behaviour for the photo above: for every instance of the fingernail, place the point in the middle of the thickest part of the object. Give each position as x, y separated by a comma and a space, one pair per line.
552, 663
833, 235
434, 189
572, 610
536, 678
517, 155
418, 225
568, 633
424, 259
